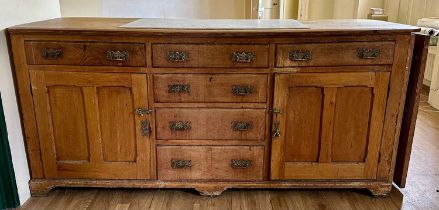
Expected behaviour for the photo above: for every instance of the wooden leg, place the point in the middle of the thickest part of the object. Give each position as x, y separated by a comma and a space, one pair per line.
380, 190
210, 191
40, 188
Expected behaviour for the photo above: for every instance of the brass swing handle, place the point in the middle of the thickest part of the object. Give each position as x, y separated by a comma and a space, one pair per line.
240, 163
368, 53
117, 55
52, 53
181, 164
177, 56
299, 55
242, 125
243, 57
242, 90
180, 125
179, 88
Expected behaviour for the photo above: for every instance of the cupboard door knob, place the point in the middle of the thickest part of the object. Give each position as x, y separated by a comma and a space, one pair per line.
145, 128
365, 53
52, 53
181, 164
240, 163
243, 57
241, 126
179, 88
276, 130
177, 56
242, 90
180, 125
117, 55
299, 55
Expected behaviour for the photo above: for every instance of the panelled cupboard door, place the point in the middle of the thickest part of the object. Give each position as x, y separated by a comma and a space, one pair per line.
87, 125
329, 125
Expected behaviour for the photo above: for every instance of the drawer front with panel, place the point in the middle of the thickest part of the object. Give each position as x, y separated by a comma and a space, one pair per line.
85, 53
210, 55
210, 162
210, 88
334, 54
210, 124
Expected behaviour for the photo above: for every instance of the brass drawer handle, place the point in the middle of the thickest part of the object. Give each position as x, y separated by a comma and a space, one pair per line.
276, 130
52, 54
180, 125
241, 163
177, 56
117, 55
242, 90
299, 55
241, 126
145, 128
371, 53
180, 164
243, 57
179, 88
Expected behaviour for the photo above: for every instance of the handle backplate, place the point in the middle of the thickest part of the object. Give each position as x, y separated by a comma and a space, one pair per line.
52, 53
242, 90
180, 164
180, 125
299, 55
117, 55
240, 163
241, 126
243, 57
177, 56
179, 88
368, 53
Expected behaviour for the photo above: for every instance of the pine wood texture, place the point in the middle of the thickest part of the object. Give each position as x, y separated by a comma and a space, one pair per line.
419, 192
117, 105
87, 124
347, 108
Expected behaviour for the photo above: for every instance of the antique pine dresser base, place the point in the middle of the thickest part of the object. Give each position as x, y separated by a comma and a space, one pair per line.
104, 106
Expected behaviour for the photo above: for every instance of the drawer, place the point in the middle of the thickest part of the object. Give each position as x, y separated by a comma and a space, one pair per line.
85, 53
210, 88
210, 124
210, 162
334, 54
209, 55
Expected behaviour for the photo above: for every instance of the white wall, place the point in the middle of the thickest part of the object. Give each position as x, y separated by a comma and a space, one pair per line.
157, 9
13, 13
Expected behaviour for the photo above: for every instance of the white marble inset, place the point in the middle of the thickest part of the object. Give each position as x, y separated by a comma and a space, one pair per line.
213, 24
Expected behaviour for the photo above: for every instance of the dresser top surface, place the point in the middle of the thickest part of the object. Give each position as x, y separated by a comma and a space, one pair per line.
238, 27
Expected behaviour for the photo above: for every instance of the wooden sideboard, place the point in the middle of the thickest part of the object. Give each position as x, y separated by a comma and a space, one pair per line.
104, 106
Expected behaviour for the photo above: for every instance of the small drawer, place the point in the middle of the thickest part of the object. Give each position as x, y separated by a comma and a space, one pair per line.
334, 54
210, 162
209, 55
85, 54
210, 124
210, 88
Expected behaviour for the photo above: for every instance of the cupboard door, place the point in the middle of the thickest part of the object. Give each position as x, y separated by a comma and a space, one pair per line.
87, 126
329, 125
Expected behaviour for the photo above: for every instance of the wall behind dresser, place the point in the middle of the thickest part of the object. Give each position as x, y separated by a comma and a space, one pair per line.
230, 9
14, 13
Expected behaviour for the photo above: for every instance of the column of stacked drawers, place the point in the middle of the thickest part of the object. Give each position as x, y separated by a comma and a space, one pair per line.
210, 126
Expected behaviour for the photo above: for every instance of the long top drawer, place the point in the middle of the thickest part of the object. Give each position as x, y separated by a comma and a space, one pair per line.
85, 53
